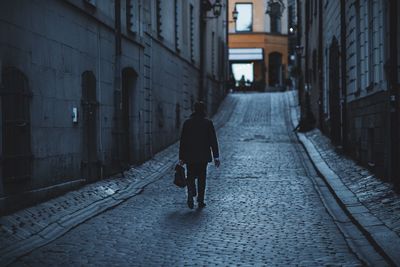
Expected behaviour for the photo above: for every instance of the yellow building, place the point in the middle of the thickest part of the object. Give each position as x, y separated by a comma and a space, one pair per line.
258, 43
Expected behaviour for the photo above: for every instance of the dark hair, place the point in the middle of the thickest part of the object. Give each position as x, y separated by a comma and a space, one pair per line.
199, 107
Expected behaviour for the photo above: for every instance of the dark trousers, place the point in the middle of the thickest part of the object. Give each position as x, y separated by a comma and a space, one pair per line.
199, 171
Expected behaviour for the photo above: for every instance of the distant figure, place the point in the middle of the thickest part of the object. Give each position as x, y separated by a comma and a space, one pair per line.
198, 140
242, 83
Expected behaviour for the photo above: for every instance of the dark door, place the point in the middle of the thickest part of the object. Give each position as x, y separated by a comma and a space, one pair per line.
334, 92
16, 135
128, 84
90, 163
275, 69
125, 120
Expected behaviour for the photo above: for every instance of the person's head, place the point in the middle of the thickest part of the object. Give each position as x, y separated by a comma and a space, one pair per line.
199, 107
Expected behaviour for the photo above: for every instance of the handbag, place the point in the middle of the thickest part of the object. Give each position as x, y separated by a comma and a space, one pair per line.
180, 177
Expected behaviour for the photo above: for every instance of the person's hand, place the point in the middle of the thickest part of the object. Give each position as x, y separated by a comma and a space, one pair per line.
181, 162
217, 163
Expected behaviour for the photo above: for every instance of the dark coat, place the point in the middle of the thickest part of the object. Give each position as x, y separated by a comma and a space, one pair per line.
198, 139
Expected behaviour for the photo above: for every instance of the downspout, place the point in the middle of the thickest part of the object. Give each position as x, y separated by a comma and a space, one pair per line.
306, 46
298, 57
392, 74
320, 66
227, 64
202, 45
117, 81
100, 101
343, 71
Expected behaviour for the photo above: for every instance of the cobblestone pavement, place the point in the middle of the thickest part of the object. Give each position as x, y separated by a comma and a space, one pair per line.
377, 195
262, 209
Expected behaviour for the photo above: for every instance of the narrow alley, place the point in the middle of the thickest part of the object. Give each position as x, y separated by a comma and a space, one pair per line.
262, 208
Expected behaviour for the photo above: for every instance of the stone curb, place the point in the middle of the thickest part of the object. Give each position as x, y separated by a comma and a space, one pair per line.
149, 172
386, 241
65, 224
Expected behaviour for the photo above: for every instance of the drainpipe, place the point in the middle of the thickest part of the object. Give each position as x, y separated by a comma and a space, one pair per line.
320, 66
203, 25
100, 101
227, 64
1, 141
392, 76
343, 71
298, 57
117, 82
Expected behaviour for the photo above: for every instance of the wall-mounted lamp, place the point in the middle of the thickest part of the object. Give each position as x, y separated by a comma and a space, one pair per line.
216, 8
235, 14
299, 50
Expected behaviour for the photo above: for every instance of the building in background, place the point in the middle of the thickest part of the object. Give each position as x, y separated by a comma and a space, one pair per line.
258, 43
350, 68
91, 87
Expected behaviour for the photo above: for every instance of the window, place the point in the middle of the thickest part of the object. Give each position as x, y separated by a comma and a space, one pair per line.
185, 22
244, 22
244, 72
370, 44
291, 17
315, 8
177, 25
132, 16
358, 45
158, 18
275, 17
275, 24
191, 33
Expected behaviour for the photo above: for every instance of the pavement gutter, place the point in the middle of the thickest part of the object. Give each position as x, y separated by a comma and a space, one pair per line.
149, 172
385, 241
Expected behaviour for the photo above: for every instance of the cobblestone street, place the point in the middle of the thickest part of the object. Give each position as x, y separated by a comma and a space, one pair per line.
262, 209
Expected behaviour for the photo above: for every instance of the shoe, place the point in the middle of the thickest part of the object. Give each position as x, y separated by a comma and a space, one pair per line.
202, 205
190, 203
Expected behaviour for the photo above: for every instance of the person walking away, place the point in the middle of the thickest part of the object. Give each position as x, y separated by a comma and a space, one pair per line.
198, 146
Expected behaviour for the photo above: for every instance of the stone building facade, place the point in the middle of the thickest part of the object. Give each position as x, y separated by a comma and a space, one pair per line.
356, 99
90, 87
262, 43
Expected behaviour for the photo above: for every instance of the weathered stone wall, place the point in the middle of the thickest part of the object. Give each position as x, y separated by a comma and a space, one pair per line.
369, 139
366, 85
54, 42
